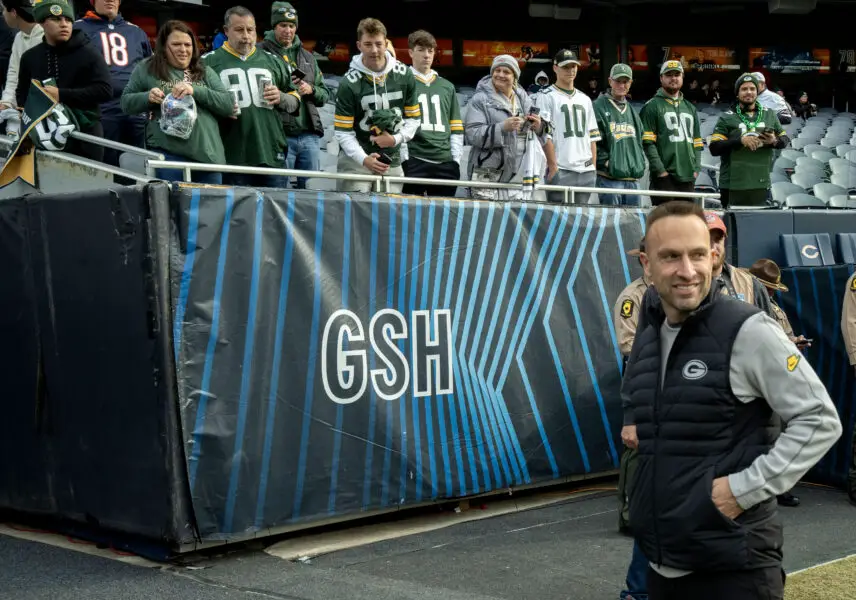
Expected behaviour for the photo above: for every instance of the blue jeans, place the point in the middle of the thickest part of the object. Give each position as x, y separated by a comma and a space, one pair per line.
303, 154
637, 576
618, 199
178, 174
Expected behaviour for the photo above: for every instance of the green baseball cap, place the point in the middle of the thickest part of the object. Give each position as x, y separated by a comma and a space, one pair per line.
672, 65
621, 70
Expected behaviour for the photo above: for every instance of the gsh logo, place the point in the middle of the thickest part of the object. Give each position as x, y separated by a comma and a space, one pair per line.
345, 355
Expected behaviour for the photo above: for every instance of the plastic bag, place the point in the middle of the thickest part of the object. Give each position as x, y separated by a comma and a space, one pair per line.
178, 115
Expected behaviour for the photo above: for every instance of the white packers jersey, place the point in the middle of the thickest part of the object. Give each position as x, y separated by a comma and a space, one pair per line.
574, 127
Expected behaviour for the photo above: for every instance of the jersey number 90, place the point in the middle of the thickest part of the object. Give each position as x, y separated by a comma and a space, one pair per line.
247, 84
681, 126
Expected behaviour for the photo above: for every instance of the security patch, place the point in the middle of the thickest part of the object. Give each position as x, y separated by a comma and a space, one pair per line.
793, 361
627, 309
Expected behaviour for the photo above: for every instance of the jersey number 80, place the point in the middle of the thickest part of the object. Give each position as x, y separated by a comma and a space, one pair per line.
247, 84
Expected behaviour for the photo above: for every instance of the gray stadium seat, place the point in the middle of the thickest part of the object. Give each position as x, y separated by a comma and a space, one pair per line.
779, 177
810, 148
831, 141
782, 190
825, 191
842, 149
804, 201
807, 161
851, 156
799, 144
824, 156
841, 201
846, 180
840, 165
784, 164
792, 154
811, 134
807, 180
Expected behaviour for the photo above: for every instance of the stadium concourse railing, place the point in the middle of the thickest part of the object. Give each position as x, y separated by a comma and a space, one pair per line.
382, 183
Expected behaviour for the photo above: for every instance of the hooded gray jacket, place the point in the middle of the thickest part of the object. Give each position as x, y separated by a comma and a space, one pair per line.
491, 146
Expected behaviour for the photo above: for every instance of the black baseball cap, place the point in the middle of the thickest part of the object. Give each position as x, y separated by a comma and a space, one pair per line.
565, 57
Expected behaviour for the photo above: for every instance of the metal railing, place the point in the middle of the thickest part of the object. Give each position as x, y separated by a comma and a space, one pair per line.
382, 183
98, 141
93, 164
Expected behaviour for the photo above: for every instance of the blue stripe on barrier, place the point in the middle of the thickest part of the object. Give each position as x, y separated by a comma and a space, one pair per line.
414, 401
607, 312
488, 427
452, 398
536, 414
270, 421
423, 304
311, 356
491, 392
390, 302
441, 418
246, 367
468, 399
554, 351
340, 408
205, 385
187, 273
370, 433
586, 352
402, 401
498, 434
622, 253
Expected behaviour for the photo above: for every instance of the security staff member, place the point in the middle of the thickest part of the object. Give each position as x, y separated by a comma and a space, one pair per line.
703, 379
768, 273
626, 319
848, 330
737, 283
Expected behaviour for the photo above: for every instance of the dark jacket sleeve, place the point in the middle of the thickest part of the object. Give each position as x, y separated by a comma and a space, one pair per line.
7, 38
25, 74
762, 298
98, 88
722, 147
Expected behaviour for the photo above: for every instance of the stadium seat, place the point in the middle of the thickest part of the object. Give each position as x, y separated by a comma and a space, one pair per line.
806, 180
792, 154
851, 156
809, 162
705, 183
779, 177
823, 156
132, 162
807, 249
811, 134
841, 201
784, 164
799, 144
846, 180
842, 149
803, 200
840, 165
831, 140
782, 190
810, 148
825, 191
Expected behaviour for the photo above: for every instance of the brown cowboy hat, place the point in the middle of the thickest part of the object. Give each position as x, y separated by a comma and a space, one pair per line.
768, 273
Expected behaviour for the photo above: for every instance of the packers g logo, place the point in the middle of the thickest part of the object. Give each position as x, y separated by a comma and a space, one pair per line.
56, 10
627, 309
793, 361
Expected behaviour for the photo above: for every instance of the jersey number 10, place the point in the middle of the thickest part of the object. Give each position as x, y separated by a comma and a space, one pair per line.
115, 49
576, 126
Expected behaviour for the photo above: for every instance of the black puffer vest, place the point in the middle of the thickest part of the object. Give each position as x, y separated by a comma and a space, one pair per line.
691, 431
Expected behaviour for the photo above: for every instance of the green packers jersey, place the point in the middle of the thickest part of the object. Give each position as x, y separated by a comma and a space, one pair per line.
359, 97
441, 119
742, 169
671, 136
256, 138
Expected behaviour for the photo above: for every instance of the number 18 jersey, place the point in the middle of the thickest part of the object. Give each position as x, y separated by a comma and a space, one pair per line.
574, 126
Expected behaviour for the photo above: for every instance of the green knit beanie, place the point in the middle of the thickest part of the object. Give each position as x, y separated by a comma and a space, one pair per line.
282, 12
42, 9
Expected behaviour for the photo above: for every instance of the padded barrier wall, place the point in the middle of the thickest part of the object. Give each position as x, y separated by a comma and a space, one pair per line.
90, 421
490, 326
813, 305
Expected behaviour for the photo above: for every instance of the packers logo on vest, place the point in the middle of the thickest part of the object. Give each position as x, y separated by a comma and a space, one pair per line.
793, 361
694, 370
